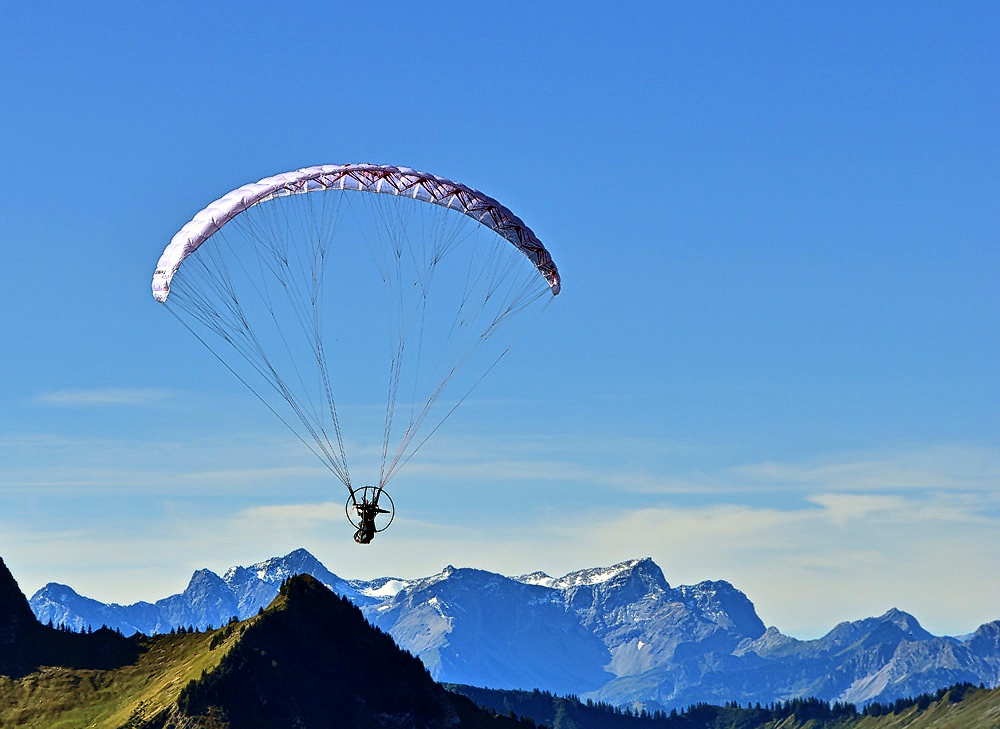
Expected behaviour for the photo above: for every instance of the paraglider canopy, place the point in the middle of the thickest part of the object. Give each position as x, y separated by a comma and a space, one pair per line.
386, 179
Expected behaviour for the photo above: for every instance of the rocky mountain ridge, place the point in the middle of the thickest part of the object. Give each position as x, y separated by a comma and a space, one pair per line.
620, 634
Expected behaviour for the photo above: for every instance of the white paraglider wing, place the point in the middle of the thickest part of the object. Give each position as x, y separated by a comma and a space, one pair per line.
383, 179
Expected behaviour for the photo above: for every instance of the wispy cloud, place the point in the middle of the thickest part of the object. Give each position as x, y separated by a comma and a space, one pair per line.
42, 464
938, 467
247, 475
292, 515
499, 470
106, 396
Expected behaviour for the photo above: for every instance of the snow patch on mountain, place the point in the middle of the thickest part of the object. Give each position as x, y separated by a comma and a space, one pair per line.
387, 588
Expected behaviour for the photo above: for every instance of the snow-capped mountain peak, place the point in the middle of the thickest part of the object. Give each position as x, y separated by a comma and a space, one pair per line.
594, 575
536, 578
276, 569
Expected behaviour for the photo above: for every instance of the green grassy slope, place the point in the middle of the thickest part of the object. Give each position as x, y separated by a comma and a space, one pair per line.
58, 698
977, 709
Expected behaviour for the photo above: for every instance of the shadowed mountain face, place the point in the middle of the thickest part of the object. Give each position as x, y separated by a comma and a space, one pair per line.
18, 626
480, 628
310, 660
26, 644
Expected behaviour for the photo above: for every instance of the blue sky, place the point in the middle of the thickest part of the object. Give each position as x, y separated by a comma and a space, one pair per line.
774, 360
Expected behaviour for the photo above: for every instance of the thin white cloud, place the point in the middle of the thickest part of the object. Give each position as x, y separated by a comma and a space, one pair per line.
295, 515
106, 396
245, 475
841, 509
933, 468
494, 470
939, 468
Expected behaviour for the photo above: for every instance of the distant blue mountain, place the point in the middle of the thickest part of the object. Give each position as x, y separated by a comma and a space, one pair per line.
619, 634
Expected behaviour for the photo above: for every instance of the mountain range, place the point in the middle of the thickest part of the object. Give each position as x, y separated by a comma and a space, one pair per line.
309, 660
619, 635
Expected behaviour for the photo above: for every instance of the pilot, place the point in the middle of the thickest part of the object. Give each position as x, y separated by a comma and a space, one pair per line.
367, 511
